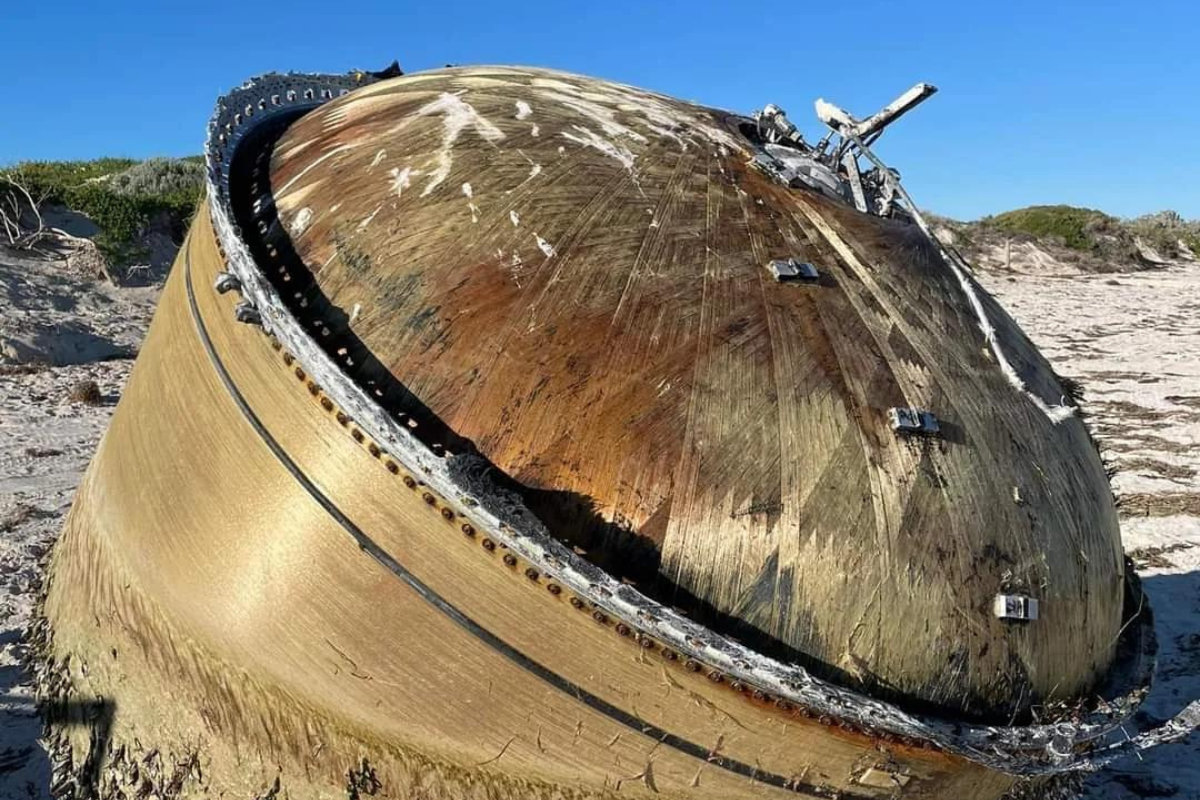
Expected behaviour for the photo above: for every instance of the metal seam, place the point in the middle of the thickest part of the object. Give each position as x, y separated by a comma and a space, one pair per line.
469, 625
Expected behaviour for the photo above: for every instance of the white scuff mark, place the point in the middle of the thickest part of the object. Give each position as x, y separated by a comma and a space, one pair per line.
334, 117
474, 212
457, 116
340, 149
523, 109
605, 116
535, 131
402, 179
589, 138
375, 161
467, 191
544, 246
1055, 413
669, 133
333, 208
367, 221
658, 115
301, 221
354, 312
561, 150
653, 222
515, 264
515, 217
535, 169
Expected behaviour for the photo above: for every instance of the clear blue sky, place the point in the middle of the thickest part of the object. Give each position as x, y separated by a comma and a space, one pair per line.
1089, 103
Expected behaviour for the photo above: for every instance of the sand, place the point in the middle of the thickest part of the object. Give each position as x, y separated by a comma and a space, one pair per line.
1130, 339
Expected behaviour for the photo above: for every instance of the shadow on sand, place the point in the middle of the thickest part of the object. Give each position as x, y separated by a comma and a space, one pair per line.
25, 768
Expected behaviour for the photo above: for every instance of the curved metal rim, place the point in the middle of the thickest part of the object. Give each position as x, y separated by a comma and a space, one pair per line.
1019, 750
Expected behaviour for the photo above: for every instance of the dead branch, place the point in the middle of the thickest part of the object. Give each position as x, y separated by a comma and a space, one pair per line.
21, 218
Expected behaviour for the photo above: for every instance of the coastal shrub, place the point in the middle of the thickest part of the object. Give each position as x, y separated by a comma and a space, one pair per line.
160, 177
1076, 228
120, 195
1165, 230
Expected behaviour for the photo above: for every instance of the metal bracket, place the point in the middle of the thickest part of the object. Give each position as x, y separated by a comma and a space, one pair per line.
1015, 606
789, 269
227, 282
247, 313
913, 421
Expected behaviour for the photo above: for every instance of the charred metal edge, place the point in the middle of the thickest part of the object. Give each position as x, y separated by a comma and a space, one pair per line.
460, 618
1018, 750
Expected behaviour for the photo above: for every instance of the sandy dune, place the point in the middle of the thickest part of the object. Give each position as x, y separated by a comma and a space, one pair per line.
1132, 341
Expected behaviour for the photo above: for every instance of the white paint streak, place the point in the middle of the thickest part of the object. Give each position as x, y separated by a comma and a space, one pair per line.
402, 179
534, 171
375, 161
457, 116
523, 109
604, 115
354, 312
589, 138
535, 131
1055, 413
660, 116
474, 212
341, 149
301, 221
467, 191
363, 225
515, 217
544, 246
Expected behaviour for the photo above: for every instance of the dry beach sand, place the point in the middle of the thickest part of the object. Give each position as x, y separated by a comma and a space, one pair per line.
1130, 339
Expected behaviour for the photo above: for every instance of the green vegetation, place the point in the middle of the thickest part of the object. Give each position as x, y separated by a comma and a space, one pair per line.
120, 195
1096, 237
1076, 228
1165, 230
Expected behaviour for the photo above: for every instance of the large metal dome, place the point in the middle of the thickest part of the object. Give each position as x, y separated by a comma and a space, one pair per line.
570, 277
503, 433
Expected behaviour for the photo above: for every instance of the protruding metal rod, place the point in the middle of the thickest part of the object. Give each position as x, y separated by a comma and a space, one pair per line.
844, 123
895, 109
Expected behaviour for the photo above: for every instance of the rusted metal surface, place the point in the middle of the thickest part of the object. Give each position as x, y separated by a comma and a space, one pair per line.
647, 383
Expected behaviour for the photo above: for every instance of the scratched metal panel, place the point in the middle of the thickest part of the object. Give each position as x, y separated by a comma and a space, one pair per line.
568, 276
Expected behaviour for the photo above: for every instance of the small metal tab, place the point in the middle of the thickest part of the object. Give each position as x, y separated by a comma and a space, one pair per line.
880, 778
1015, 606
789, 269
247, 313
226, 282
913, 421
